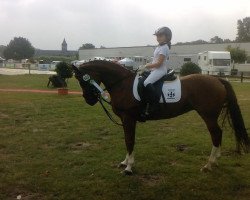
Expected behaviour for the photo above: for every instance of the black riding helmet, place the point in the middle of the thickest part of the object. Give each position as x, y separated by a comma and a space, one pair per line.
165, 31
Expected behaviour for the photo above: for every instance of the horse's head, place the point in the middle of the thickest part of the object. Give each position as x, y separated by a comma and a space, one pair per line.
89, 91
92, 73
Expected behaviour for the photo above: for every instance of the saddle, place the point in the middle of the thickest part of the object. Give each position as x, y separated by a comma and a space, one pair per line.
170, 76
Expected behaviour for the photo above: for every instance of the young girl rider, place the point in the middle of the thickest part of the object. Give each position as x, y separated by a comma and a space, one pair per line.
158, 67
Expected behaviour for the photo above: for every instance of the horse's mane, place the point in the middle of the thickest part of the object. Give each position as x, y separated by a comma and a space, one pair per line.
105, 64
101, 61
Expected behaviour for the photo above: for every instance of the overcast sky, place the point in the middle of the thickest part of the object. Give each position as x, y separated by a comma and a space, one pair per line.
114, 23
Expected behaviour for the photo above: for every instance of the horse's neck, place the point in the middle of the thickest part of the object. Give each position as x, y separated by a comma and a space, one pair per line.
112, 76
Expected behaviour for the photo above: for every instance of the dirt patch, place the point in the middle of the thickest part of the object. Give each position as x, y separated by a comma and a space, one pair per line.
181, 147
79, 146
37, 91
230, 152
151, 180
23, 194
4, 116
47, 146
3, 153
31, 196
35, 130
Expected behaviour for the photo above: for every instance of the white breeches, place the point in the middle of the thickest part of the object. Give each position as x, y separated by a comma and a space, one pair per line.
155, 75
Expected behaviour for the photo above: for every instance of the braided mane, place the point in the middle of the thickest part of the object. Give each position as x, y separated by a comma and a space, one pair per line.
105, 65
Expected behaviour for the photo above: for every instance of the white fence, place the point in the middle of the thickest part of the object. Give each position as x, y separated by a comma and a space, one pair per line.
25, 68
40, 67
20, 65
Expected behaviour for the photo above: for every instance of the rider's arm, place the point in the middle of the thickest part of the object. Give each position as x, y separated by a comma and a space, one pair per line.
158, 63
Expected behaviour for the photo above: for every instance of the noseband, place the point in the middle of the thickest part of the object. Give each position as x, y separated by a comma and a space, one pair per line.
91, 86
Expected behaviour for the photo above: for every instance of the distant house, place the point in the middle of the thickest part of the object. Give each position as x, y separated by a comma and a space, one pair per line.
63, 52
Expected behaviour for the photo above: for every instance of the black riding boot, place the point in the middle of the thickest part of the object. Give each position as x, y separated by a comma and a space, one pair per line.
152, 100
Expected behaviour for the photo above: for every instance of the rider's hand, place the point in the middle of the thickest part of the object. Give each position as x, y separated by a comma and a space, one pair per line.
142, 68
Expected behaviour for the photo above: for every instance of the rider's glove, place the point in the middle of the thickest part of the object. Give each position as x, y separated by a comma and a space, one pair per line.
142, 68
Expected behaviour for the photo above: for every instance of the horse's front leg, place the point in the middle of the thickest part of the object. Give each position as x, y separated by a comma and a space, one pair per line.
129, 125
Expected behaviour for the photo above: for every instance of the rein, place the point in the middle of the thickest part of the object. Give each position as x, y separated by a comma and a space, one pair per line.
99, 92
101, 99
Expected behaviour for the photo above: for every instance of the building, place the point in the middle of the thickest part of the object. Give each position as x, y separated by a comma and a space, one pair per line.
64, 46
63, 52
179, 53
117, 52
147, 51
197, 48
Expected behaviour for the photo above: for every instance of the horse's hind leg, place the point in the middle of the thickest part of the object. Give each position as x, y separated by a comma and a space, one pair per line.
216, 135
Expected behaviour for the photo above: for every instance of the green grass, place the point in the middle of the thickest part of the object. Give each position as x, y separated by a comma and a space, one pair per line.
58, 147
32, 81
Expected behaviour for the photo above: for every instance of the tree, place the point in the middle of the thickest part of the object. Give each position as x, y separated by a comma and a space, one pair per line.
216, 40
19, 48
237, 55
87, 46
193, 42
227, 41
199, 42
189, 68
243, 27
64, 70
2, 50
49, 59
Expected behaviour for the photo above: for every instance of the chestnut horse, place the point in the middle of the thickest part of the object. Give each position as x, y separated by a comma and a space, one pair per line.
207, 95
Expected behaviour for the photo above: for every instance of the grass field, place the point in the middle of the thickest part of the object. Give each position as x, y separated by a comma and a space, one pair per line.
58, 147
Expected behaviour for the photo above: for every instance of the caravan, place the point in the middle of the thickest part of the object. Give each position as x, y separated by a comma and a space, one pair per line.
215, 62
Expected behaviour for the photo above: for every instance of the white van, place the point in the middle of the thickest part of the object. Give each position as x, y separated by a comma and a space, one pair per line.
215, 62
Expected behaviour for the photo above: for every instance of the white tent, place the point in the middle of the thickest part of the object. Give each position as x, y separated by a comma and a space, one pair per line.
127, 62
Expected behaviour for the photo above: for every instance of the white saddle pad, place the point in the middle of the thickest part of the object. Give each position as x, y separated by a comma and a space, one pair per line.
171, 90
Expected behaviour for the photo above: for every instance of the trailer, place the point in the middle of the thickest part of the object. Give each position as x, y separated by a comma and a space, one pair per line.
215, 62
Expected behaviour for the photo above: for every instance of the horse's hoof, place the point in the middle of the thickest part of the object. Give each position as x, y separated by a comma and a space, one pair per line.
121, 165
128, 173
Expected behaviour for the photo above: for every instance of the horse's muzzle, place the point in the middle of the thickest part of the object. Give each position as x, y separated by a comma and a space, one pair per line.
91, 100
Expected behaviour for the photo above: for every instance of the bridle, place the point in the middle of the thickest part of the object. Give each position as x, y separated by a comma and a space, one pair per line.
91, 86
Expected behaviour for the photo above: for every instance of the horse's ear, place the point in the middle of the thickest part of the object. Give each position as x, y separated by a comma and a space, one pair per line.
75, 69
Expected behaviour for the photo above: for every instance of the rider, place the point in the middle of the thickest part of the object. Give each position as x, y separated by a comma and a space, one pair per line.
158, 67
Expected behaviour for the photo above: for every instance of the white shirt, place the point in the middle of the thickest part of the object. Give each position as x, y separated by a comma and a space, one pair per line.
161, 50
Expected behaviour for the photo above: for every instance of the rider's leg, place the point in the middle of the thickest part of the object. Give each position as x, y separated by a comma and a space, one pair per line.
154, 76
152, 99
150, 90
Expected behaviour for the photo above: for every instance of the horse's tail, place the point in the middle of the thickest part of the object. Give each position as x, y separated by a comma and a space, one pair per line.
237, 122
